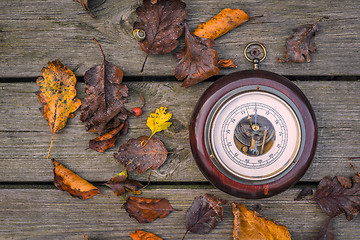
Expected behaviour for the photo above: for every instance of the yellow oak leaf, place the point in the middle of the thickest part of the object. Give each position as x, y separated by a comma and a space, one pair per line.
158, 121
57, 94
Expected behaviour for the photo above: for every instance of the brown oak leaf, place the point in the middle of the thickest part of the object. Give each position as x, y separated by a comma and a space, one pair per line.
142, 235
161, 21
249, 225
326, 231
336, 196
197, 61
146, 210
204, 214
301, 43
66, 180
133, 156
103, 108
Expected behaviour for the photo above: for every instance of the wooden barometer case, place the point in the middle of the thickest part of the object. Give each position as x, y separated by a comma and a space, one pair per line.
253, 133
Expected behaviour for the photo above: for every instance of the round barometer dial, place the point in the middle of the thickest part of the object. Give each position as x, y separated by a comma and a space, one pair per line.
253, 134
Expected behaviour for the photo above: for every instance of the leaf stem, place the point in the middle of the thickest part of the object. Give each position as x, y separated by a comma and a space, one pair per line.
259, 16
102, 52
185, 234
51, 143
355, 169
143, 144
142, 68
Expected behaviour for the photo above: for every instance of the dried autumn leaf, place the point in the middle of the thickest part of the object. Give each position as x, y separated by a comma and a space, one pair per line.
103, 108
223, 22
146, 210
249, 225
161, 21
326, 231
159, 120
197, 61
224, 63
203, 215
336, 196
66, 180
142, 235
119, 184
107, 140
301, 43
57, 94
306, 191
133, 156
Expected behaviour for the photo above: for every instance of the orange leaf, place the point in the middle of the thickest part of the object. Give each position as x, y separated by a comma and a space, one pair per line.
146, 210
223, 63
223, 22
57, 95
105, 141
66, 180
142, 235
249, 225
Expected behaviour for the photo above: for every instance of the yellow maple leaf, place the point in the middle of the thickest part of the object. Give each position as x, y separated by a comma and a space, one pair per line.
158, 121
57, 94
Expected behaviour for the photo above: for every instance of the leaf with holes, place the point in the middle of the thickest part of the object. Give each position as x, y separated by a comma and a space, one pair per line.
57, 94
161, 22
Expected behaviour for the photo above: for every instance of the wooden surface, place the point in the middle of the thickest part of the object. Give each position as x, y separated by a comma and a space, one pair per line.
35, 32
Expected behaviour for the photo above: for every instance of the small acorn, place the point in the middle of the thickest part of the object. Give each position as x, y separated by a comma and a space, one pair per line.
139, 34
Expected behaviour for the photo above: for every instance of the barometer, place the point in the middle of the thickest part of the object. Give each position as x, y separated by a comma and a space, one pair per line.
253, 133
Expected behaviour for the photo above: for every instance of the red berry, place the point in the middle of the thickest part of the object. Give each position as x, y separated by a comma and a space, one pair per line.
137, 111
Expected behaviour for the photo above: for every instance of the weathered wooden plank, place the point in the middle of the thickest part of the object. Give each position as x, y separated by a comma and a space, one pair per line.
52, 214
34, 32
25, 133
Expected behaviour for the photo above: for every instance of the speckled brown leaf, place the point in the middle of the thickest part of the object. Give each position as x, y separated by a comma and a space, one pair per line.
146, 210
66, 180
103, 108
336, 196
301, 43
249, 225
197, 61
161, 21
135, 157
204, 214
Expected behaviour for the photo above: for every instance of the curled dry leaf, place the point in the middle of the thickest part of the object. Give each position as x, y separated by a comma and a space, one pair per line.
223, 22
337, 195
197, 61
224, 63
326, 231
66, 180
249, 225
133, 156
119, 184
161, 20
142, 235
306, 191
107, 140
57, 94
85, 6
301, 43
146, 210
204, 214
103, 108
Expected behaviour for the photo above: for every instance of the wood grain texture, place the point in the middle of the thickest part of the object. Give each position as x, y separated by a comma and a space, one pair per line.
26, 136
34, 32
53, 214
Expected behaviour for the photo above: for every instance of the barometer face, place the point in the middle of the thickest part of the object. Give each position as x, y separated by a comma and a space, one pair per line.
253, 134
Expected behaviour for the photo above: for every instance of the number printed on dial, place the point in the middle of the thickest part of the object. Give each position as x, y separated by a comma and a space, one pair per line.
255, 135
